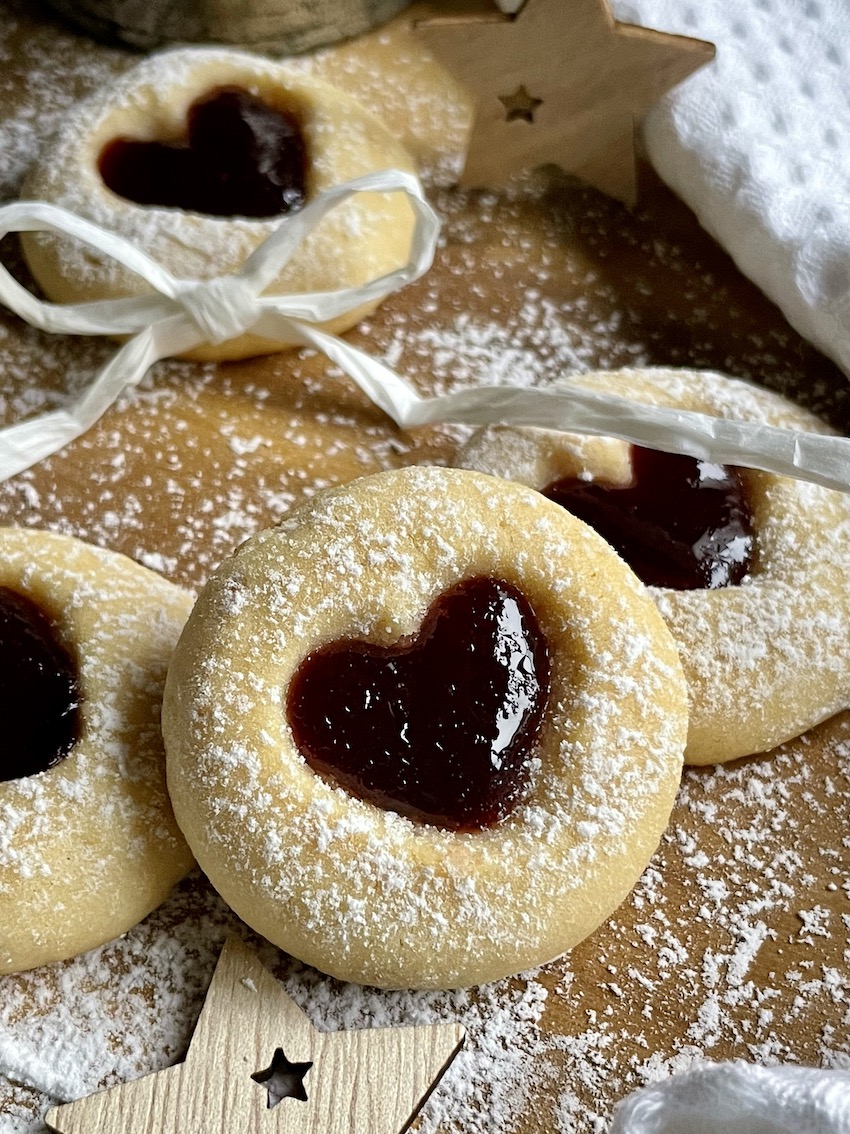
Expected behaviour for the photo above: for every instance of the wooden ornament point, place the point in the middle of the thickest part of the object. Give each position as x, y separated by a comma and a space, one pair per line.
586, 79
373, 1079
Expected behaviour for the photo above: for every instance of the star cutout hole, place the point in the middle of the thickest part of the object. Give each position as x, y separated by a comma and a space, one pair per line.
520, 106
282, 1079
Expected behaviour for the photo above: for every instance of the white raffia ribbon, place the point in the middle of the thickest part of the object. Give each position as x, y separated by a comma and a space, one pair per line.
183, 314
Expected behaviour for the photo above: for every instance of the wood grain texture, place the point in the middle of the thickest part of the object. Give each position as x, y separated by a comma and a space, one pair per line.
373, 1079
590, 76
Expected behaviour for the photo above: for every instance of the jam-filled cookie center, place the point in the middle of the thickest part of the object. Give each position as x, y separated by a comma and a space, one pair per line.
680, 523
440, 727
240, 157
39, 690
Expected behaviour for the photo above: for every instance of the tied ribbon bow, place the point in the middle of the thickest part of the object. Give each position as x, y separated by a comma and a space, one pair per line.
221, 309
181, 314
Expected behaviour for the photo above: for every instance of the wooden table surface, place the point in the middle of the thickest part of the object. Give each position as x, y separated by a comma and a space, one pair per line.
734, 942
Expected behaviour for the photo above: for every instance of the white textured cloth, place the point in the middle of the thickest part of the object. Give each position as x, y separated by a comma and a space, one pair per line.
758, 144
739, 1098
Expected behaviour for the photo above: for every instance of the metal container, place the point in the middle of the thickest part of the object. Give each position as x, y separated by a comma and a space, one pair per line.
279, 26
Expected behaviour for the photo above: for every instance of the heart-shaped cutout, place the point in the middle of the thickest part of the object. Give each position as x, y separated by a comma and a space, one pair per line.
440, 727
38, 690
680, 523
240, 157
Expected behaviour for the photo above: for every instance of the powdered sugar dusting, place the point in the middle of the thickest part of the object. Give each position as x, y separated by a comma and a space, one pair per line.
39, 83
725, 947
360, 240
764, 660
712, 956
58, 829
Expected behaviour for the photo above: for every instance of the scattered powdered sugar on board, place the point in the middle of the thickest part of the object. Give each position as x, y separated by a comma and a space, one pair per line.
40, 83
695, 959
734, 943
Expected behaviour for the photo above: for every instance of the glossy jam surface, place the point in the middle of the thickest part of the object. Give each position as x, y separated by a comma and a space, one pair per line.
240, 158
39, 696
681, 523
440, 727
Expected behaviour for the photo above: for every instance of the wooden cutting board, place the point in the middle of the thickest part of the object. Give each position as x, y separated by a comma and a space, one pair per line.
734, 942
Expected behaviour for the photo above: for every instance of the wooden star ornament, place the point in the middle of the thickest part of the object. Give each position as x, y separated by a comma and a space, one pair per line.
560, 82
256, 1065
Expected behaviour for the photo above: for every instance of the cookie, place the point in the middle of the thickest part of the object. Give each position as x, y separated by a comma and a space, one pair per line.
194, 155
349, 692
763, 643
88, 841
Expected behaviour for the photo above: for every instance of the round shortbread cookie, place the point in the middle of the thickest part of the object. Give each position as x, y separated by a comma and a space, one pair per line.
356, 889
362, 239
767, 659
90, 846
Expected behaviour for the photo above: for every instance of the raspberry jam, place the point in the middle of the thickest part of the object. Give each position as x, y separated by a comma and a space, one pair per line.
681, 523
38, 687
440, 727
240, 158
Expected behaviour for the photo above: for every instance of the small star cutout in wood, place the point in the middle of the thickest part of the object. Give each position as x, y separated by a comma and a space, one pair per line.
561, 82
519, 105
282, 1079
236, 1076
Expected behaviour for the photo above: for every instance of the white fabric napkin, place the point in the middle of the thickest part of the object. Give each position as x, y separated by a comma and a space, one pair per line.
758, 144
740, 1098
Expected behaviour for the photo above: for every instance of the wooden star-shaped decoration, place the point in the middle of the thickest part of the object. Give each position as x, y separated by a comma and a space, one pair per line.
561, 82
236, 1076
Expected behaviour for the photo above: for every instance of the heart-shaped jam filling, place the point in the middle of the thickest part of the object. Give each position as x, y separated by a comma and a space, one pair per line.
441, 727
38, 686
241, 157
680, 523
